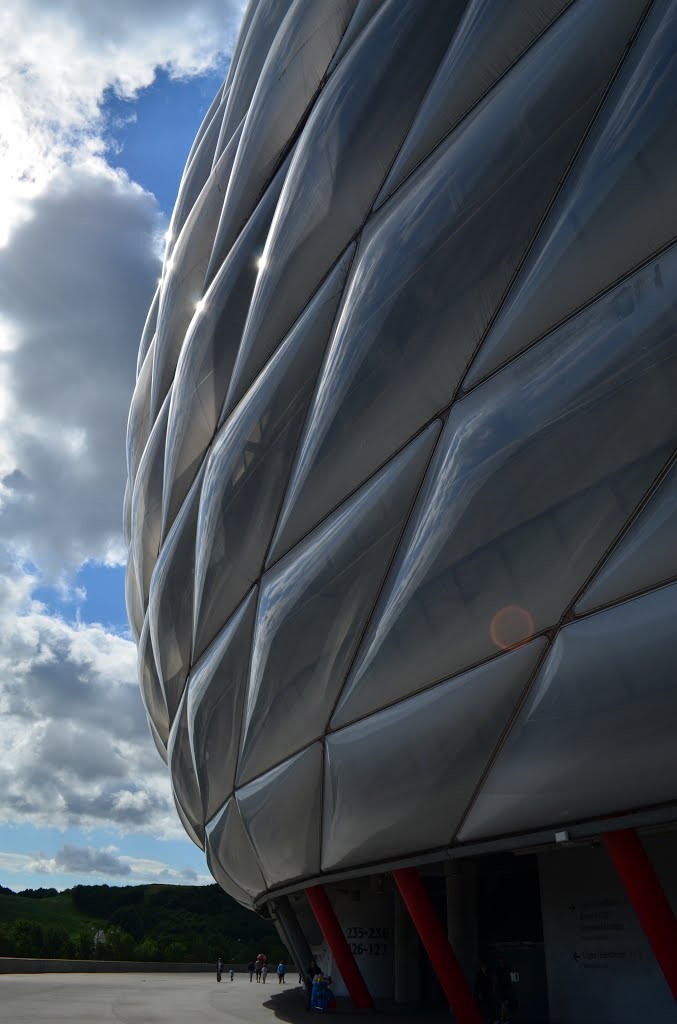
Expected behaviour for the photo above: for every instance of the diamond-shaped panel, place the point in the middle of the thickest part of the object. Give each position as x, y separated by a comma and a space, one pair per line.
338, 552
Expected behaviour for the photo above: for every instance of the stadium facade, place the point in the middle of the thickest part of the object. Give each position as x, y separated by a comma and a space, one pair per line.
402, 496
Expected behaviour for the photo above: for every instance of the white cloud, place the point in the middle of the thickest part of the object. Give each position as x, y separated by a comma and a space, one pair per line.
60, 56
75, 283
79, 247
80, 258
100, 863
14, 862
82, 860
74, 747
126, 799
148, 869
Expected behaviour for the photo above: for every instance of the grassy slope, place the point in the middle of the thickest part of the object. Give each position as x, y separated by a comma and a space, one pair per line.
160, 912
55, 910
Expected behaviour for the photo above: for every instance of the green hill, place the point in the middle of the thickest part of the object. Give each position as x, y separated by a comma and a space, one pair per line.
55, 910
140, 922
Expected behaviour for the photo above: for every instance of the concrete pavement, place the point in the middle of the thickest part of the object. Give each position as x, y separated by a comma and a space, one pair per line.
158, 999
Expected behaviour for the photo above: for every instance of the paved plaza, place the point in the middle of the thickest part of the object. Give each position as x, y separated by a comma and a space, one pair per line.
155, 999
143, 999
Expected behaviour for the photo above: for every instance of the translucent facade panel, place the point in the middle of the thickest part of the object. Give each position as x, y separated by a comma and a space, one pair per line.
404, 415
139, 421
147, 505
151, 689
540, 467
182, 771
249, 464
251, 8
340, 160
597, 733
133, 600
313, 609
619, 205
185, 821
490, 37
207, 358
218, 872
218, 101
362, 15
290, 792
400, 781
646, 555
286, 87
184, 275
170, 605
127, 513
231, 847
198, 169
148, 331
257, 39
159, 745
223, 247
216, 691
426, 281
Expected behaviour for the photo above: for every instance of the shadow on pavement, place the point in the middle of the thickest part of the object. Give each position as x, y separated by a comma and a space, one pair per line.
291, 1007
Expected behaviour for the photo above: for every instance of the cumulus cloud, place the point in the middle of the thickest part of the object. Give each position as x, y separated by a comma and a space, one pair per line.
100, 864
79, 259
75, 283
14, 862
60, 56
87, 860
74, 747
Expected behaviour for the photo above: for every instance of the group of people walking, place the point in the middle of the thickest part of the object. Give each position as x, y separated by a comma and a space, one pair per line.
258, 968
493, 989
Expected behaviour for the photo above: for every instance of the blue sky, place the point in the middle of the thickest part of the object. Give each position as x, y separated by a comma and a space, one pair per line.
149, 137
97, 132
155, 130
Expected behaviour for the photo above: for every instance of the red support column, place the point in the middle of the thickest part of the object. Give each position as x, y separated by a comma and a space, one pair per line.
338, 944
437, 946
647, 897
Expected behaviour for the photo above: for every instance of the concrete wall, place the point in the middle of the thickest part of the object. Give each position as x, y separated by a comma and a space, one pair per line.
600, 967
367, 918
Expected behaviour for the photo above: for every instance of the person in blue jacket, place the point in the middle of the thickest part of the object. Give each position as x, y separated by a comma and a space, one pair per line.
311, 971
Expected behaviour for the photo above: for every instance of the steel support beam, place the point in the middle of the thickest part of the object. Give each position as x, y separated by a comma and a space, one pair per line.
437, 946
338, 944
647, 897
296, 940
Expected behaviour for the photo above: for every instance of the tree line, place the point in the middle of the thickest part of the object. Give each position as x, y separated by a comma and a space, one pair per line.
157, 923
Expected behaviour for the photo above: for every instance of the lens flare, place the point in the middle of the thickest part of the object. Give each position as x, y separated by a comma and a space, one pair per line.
510, 626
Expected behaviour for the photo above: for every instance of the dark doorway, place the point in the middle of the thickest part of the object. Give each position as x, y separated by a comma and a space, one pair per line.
510, 927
